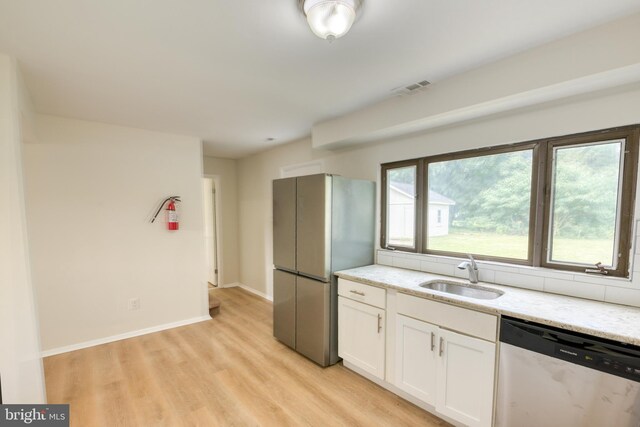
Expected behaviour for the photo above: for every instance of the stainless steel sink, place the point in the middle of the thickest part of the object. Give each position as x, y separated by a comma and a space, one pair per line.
462, 289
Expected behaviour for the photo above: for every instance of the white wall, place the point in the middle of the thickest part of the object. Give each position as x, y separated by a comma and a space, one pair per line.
20, 362
597, 111
91, 190
599, 58
225, 170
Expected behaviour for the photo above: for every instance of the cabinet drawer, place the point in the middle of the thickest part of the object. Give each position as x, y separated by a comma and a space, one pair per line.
459, 319
363, 293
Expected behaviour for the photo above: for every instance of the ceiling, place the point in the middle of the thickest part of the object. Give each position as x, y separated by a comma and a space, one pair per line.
237, 72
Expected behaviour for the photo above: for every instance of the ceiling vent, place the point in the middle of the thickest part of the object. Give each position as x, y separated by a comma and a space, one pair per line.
411, 89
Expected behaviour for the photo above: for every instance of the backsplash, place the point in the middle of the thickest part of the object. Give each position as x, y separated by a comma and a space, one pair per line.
609, 289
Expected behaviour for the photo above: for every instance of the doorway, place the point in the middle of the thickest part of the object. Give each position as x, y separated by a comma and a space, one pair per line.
209, 189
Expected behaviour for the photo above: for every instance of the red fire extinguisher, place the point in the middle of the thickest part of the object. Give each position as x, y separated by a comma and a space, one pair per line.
172, 214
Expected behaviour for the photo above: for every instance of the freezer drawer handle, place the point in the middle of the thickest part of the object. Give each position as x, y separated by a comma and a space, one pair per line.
441, 346
379, 322
353, 291
433, 341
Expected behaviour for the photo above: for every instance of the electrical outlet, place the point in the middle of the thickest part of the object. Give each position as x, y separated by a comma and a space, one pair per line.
134, 304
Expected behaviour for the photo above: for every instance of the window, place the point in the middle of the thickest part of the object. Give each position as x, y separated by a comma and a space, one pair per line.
564, 203
488, 199
400, 206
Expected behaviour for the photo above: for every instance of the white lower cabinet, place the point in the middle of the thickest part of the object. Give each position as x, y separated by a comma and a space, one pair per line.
361, 335
451, 371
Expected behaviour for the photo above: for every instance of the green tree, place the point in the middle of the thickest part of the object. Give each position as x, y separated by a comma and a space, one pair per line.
491, 193
585, 191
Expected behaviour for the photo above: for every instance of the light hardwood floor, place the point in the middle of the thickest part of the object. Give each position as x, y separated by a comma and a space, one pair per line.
228, 371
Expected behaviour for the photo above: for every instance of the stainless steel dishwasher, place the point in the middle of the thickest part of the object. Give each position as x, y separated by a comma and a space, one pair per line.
552, 377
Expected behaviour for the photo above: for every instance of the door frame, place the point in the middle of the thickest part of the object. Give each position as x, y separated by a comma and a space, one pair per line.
218, 232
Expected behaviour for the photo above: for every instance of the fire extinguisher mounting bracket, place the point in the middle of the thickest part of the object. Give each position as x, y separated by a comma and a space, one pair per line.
173, 199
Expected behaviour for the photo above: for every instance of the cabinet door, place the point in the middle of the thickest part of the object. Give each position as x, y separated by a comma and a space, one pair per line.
416, 358
361, 335
465, 378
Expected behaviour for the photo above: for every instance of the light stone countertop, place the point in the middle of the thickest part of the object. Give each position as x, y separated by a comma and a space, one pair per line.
615, 322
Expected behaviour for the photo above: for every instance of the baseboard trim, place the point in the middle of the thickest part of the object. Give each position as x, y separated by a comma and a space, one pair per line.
249, 289
229, 285
401, 393
124, 336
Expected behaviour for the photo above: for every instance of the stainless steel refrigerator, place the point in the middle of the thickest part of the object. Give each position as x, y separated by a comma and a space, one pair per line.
321, 224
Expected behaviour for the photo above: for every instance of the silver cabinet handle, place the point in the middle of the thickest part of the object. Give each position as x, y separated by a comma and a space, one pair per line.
441, 346
379, 322
353, 291
433, 341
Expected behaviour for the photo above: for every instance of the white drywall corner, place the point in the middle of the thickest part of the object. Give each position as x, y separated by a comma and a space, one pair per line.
21, 369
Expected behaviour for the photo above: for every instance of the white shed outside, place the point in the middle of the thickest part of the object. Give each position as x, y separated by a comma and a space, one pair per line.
401, 211
439, 214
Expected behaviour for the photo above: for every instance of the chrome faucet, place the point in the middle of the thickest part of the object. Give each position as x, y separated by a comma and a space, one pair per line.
472, 267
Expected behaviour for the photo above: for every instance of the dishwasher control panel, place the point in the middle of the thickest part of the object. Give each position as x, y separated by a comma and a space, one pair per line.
614, 358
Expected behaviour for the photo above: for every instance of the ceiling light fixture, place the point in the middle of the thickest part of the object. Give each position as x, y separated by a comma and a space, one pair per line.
330, 19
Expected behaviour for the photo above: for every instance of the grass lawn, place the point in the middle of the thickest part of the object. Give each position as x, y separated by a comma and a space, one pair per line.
587, 251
